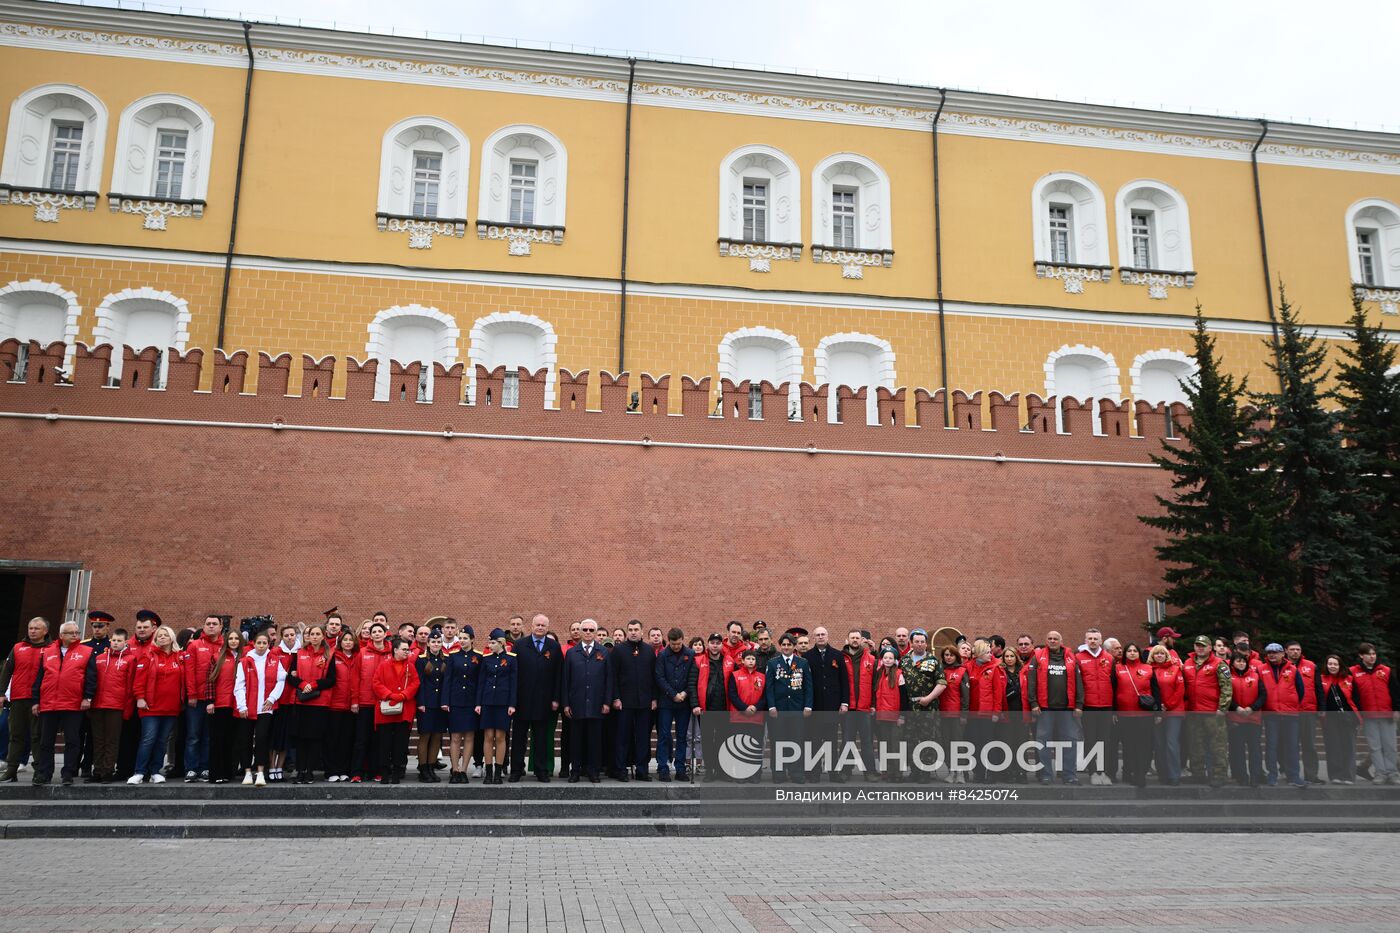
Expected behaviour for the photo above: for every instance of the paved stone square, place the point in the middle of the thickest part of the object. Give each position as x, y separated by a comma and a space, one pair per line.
1238, 882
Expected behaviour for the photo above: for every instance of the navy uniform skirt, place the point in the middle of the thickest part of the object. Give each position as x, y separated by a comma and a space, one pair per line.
462, 719
495, 717
431, 719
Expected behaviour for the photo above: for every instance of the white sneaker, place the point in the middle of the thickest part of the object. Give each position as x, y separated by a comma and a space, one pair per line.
247, 778
157, 778
1105, 780
136, 779
332, 778
344, 778
476, 773
260, 781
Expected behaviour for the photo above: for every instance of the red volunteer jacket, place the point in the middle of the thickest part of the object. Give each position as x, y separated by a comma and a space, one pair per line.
347, 669
950, 700
1307, 676
311, 666
1280, 688
1202, 684
745, 690
395, 681
26, 668
702, 683
199, 654
116, 678
1372, 690
368, 660
1131, 680
160, 681
65, 680
1245, 694
252, 699
987, 689
859, 673
1097, 673
890, 699
222, 694
1171, 684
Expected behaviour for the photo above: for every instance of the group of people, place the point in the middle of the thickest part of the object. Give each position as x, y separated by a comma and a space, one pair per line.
265, 703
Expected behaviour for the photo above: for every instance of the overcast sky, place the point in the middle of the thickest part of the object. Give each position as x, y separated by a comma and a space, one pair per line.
1305, 60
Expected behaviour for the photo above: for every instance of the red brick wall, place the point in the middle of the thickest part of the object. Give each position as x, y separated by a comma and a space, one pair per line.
190, 519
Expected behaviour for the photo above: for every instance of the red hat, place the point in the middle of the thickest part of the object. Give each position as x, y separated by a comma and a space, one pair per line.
1167, 631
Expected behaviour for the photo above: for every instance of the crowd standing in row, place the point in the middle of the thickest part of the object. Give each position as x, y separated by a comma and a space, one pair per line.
262, 702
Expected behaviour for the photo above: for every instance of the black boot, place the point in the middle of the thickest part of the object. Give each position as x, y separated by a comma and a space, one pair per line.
423, 777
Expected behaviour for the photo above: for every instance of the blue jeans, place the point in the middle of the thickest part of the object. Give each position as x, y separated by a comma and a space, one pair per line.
1281, 747
665, 719
197, 737
1168, 745
1057, 725
150, 754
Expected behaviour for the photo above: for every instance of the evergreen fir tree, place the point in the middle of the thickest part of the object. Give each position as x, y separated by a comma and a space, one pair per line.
1327, 524
1225, 568
1370, 416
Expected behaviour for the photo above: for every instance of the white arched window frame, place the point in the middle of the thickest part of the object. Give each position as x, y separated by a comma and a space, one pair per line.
851, 214
1167, 236
516, 341
1375, 260
145, 167
141, 318
42, 311
1159, 376
1070, 230
431, 335
418, 195
760, 206
839, 355
1085, 373
523, 194
32, 144
757, 353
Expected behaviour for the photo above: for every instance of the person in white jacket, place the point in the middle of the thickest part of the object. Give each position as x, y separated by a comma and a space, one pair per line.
256, 689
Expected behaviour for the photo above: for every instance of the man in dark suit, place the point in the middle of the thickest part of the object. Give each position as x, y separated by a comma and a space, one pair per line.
585, 687
831, 695
540, 662
633, 666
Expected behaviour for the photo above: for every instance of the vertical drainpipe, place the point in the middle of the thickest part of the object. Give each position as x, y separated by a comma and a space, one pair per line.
626, 197
1263, 240
938, 260
237, 186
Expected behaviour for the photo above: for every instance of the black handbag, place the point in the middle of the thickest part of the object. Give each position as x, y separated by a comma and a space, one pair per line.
1146, 703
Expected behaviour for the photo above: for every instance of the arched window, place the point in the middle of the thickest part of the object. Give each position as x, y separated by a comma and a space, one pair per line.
760, 206
1154, 228
859, 361
1070, 229
1158, 376
1085, 373
515, 341
851, 214
1373, 234
141, 318
759, 353
407, 334
524, 188
423, 166
164, 147
53, 150
41, 311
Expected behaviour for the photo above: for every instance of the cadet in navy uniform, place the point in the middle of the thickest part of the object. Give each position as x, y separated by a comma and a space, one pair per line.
432, 706
585, 688
101, 640
459, 690
495, 704
633, 664
789, 699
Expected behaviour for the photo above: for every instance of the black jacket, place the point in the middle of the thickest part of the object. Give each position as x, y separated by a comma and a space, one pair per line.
537, 677
633, 674
830, 683
674, 673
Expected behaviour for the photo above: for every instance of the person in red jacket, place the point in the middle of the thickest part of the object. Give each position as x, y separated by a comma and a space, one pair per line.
160, 696
17, 683
1247, 698
63, 689
365, 755
986, 701
889, 699
747, 687
1136, 697
1171, 688
1337, 703
1377, 695
952, 707
340, 740
1285, 693
395, 689
709, 679
858, 724
112, 705
199, 692
1096, 672
311, 676
221, 675
1207, 698
284, 713
258, 686
1310, 679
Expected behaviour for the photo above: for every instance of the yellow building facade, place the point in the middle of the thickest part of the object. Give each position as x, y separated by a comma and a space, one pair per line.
429, 200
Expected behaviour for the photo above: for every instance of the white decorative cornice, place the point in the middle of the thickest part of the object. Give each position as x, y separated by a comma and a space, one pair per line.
853, 261
155, 211
420, 230
47, 204
1387, 298
760, 255
518, 237
1157, 282
94, 30
1073, 276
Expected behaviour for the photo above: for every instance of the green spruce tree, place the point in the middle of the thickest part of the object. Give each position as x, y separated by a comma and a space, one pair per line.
1369, 393
1225, 568
1327, 524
